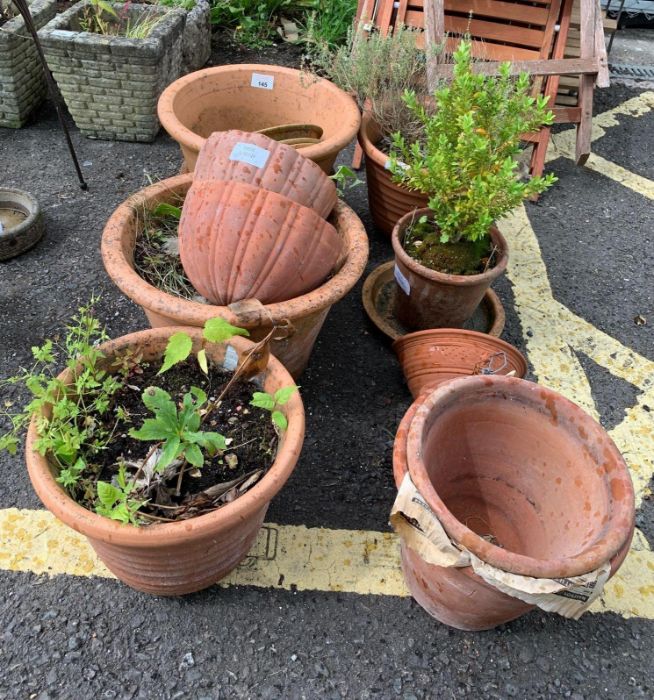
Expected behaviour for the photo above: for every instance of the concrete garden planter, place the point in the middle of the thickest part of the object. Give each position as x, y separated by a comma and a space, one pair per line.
302, 316
186, 555
388, 201
22, 80
196, 40
253, 97
431, 299
110, 83
238, 241
521, 478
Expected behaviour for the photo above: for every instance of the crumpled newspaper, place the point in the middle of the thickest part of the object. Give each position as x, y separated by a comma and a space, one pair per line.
420, 529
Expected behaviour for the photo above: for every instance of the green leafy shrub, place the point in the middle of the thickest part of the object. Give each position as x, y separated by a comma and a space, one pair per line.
467, 164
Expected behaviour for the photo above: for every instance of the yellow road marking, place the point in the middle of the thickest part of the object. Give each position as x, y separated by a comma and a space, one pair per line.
287, 557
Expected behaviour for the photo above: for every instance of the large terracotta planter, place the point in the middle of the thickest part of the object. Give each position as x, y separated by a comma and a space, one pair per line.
253, 97
431, 358
388, 201
260, 161
237, 241
185, 556
503, 456
431, 299
303, 315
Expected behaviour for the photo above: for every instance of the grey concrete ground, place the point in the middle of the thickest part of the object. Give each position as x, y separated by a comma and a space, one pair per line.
78, 637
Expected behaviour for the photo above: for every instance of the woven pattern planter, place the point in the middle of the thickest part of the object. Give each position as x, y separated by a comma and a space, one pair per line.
111, 84
22, 81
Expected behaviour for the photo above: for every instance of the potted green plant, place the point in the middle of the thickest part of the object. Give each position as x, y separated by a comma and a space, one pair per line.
448, 254
111, 63
21, 73
163, 447
361, 67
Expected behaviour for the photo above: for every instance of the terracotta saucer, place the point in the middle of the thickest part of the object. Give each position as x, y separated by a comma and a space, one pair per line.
379, 292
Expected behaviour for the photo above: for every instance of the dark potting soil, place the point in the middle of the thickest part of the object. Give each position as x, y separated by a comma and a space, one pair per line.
422, 243
249, 432
225, 50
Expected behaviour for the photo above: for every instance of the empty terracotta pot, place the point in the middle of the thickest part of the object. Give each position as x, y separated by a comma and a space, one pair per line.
260, 161
302, 317
431, 358
388, 201
189, 555
237, 241
503, 457
431, 299
253, 97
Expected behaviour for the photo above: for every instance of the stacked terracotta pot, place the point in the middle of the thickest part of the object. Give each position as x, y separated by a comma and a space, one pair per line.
254, 223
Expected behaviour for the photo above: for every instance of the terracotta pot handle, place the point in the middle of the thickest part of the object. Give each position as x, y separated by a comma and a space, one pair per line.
251, 312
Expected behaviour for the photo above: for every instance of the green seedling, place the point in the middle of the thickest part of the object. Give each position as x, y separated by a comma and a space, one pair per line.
115, 501
164, 209
345, 179
272, 402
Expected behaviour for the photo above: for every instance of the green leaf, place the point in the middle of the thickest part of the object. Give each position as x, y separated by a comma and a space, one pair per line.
217, 330
215, 442
284, 394
279, 419
164, 209
170, 451
261, 399
151, 430
193, 455
178, 349
106, 7
202, 361
108, 494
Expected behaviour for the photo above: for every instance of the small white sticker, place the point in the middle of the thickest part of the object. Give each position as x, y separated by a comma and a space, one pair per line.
264, 82
402, 281
231, 359
249, 153
400, 164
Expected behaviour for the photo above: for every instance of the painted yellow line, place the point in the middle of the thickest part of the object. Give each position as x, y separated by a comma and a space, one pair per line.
288, 557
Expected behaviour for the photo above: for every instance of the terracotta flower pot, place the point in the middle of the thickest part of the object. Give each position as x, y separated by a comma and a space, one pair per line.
503, 456
388, 201
189, 555
431, 358
237, 241
303, 315
431, 299
253, 97
260, 161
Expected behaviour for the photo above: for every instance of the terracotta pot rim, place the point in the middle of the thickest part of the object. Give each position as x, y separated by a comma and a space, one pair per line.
163, 535
617, 529
441, 277
418, 336
120, 268
367, 144
188, 138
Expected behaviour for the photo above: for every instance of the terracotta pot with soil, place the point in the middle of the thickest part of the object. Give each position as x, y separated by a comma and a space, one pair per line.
173, 558
238, 241
253, 97
433, 299
520, 477
388, 201
260, 161
302, 316
431, 358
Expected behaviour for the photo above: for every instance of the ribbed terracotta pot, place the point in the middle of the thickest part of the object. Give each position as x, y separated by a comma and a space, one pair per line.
431, 299
431, 358
237, 241
303, 316
253, 97
388, 202
260, 161
503, 456
189, 555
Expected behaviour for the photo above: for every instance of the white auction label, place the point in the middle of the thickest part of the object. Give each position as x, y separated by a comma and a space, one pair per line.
264, 82
249, 153
402, 281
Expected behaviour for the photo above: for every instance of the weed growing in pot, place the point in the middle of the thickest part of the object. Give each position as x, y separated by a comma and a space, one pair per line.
345, 179
100, 17
468, 162
92, 423
273, 402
